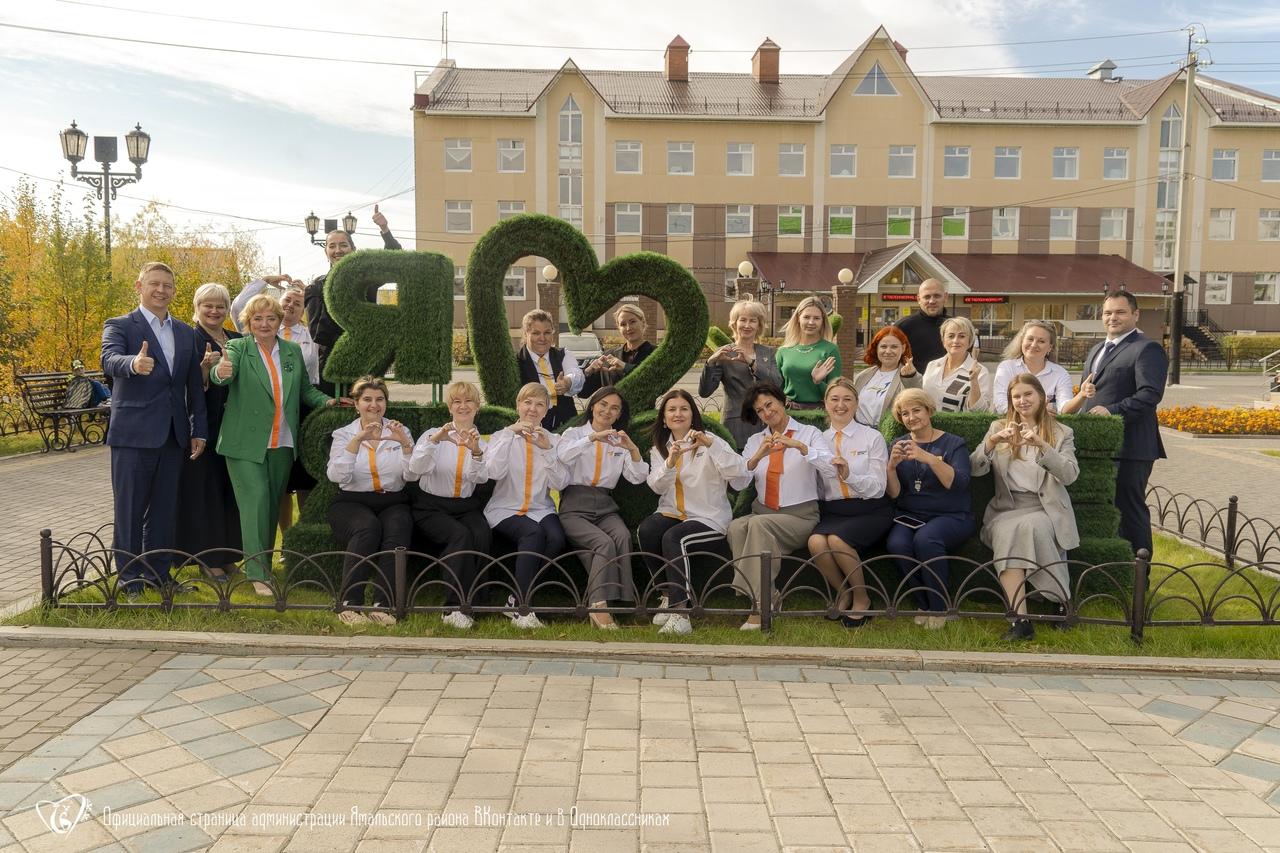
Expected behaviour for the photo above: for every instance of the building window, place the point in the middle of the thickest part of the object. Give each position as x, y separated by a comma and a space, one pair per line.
1217, 288
737, 220
1088, 311
1066, 164
791, 159
510, 155
570, 132
459, 282
1168, 177
902, 161
876, 82
1264, 289
739, 158
1269, 223
1062, 223
791, 220
679, 219
627, 157
513, 284
1271, 164
955, 223
1222, 223
1163, 257
508, 209
840, 221
570, 184
844, 161
457, 217
1008, 162
627, 218
900, 221
1114, 223
955, 161
1004, 223
1044, 311
730, 285
1115, 164
1171, 128
457, 155
679, 158
1224, 164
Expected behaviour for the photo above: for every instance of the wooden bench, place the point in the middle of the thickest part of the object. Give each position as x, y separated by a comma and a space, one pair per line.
59, 403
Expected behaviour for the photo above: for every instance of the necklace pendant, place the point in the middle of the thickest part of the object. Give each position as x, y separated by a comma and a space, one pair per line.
917, 485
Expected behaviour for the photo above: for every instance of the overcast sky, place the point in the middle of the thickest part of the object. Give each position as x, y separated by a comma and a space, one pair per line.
271, 137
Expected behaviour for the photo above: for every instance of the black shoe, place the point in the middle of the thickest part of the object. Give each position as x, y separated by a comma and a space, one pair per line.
1020, 631
855, 621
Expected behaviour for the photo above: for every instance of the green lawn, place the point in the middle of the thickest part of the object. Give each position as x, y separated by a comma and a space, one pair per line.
28, 442
902, 633
1275, 453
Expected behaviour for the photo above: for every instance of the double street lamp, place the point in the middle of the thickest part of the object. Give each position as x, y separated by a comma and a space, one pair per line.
312, 223
137, 143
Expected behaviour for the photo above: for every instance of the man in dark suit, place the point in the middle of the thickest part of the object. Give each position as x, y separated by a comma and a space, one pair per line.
1125, 375
157, 421
552, 367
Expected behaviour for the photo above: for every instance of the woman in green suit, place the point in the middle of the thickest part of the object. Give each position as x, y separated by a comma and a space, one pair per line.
267, 381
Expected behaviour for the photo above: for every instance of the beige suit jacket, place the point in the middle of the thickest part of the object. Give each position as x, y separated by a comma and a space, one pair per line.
1059, 469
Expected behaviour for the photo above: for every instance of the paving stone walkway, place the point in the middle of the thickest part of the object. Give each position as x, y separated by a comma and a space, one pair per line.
453, 754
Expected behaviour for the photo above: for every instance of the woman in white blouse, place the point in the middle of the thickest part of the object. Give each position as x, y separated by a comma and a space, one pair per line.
786, 458
448, 463
854, 513
521, 461
1029, 352
690, 470
594, 456
957, 382
368, 462
890, 371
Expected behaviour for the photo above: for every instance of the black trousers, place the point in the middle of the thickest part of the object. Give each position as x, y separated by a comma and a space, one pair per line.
455, 525
538, 541
366, 523
1131, 500
661, 534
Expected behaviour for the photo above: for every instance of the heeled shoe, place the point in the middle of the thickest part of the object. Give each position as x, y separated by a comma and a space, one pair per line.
1020, 631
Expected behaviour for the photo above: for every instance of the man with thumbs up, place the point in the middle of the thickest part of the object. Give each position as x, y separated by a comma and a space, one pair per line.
157, 420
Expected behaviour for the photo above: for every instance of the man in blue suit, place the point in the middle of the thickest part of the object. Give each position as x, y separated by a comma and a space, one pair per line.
157, 421
1125, 375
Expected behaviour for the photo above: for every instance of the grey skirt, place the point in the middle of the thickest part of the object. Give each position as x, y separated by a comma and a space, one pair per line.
1022, 538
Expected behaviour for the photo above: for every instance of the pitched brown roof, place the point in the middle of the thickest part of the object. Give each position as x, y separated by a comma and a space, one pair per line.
1043, 274
804, 270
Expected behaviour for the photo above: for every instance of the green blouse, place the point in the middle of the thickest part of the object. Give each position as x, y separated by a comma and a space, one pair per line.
796, 365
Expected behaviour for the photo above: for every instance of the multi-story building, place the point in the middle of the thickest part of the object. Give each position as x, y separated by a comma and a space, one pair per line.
1026, 195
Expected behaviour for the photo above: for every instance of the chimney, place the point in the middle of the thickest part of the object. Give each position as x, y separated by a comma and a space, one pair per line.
764, 63
1102, 71
902, 51
676, 64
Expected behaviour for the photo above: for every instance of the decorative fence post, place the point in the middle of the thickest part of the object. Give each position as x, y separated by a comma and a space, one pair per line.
401, 569
1230, 534
46, 566
1141, 577
766, 591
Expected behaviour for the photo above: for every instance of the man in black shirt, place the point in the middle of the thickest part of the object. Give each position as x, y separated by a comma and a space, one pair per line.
923, 328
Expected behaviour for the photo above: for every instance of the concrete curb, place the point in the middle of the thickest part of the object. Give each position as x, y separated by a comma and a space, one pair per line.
257, 645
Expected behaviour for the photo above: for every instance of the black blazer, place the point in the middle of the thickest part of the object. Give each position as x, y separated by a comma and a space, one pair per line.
1130, 383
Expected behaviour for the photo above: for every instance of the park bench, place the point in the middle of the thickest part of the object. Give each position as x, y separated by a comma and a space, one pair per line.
60, 406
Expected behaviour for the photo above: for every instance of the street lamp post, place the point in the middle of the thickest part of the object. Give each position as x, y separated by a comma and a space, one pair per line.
312, 223
105, 152
1168, 323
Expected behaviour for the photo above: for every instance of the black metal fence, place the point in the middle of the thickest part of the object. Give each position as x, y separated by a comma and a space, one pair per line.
16, 418
1224, 530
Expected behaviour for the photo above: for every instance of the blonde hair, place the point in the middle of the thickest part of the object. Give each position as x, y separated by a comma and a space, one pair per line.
1045, 420
152, 266
461, 391
962, 322
203, 294
257, 304
748, 306
1014, 349
537, 315
634, 310
840, 382
533, 389
792, 336
910, 397
366, 383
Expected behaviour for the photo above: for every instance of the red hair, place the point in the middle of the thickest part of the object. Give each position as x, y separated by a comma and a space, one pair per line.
870, 355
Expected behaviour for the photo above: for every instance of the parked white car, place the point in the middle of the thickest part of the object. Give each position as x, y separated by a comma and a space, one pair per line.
585, 347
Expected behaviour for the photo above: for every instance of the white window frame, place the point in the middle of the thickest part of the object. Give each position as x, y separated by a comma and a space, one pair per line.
1059, 214
679, 149
508, 151
457, 154
1221, 224
739, 212
1270, 164
899, 213
510, 211
880, 84
955, 155
787, 152
730, 285
569, 192
1115, 156
1269, 223
840, 211
459, 283
570, 132
677, 212
1264, 279
1066, 159
458, 207
1217, 288
1225, 157
901, 153
791, 210
1162, 255
628, 209
1005, 214
744, 150
512, 274
623, 147
957, 213
1117, 216
841, 149
1007, 153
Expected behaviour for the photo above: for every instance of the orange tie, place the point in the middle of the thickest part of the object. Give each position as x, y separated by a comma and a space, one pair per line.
277, 395
288, 334
844, 488
528, 476
546, 378
373, 468
595, 478
457, 473
773, 476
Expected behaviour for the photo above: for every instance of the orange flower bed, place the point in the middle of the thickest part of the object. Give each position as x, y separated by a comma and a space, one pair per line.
1218, 421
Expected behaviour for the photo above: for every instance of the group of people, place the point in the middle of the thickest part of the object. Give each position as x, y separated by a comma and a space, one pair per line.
835, 493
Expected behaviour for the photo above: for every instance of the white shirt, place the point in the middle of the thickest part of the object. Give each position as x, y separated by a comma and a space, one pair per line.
872, 396
518, 485
568, 366
596, 463
162, 328
268, 360
298, 332
446, 470
1054, 378
1115, 342
353, 472
694, 490
868, 457
935, 383
797, 483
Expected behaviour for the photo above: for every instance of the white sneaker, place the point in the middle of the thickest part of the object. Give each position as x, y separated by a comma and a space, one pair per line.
511, 612
749, 626
661, 618
678, 623
527, 622
458, 619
